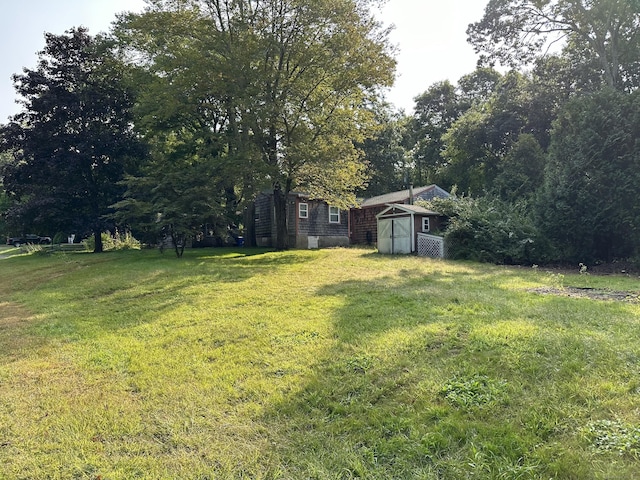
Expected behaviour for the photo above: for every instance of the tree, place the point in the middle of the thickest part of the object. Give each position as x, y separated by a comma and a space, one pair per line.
73, 139
476, 143
521, 173
176, 201
385, 153
590, 200
515, 32
202, 164
292, 76
435, 111
478, 86
5, 158
184, 190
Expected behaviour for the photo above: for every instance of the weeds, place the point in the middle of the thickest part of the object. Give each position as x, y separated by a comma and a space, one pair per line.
556, 279
474, 391
115, 241
614, 436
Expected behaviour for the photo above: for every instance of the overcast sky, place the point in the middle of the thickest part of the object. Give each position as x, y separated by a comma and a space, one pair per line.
430, 35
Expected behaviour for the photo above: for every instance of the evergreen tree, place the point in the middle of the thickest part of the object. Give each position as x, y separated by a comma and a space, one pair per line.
73, 139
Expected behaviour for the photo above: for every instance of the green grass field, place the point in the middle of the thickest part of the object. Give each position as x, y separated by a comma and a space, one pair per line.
329, 364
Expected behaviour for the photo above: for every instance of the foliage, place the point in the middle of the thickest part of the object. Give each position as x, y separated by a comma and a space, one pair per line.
478, 86
475, 391
177, 193
4, 199
73, 139
549, 139
488, 229
133, 365
386, 154
589, 204
614, 436
514, 32
288, 79
521, 173
114, 241
480, 150
435, 111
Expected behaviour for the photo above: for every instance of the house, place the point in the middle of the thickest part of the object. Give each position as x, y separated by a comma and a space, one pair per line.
310, 223
399, 227
364, 222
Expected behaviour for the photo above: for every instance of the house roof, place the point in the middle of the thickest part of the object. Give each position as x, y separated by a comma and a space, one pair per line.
402, 196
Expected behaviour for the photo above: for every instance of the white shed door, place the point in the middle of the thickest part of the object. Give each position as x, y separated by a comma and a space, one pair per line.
385, 229
402, 235
394, 235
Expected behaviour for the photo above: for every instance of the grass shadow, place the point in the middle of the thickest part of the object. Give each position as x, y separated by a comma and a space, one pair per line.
449, 374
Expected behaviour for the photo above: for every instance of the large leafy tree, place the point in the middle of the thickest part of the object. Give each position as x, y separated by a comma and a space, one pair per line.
521, 171
589, 204
5, 158
184, 190
385, 152
201, 162
600, 33
290, 77
477, 143
477, 87
435, 111
73, 138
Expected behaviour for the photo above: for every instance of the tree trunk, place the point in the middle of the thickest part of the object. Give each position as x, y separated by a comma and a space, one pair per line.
97, 235
280, 205
250, 225
179, 240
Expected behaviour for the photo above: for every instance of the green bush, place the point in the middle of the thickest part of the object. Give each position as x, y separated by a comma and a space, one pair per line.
487, 229
116, 241
59, 238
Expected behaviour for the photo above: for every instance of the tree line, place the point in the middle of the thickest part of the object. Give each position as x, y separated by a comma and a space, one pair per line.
181, 114
540, 143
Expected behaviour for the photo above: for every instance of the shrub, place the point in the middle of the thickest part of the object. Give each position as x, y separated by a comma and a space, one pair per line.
488, 229
117, 241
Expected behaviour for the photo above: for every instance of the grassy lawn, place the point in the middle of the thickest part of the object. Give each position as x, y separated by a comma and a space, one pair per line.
328, 364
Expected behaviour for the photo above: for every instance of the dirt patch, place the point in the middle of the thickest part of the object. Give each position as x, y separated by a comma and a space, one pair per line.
12, 315
14, 321
592, 293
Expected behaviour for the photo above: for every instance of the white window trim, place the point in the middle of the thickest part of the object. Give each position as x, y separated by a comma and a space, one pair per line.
426, 222
303, 213
337, 211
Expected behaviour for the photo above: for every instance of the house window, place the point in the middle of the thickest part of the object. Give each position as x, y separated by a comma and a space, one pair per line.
426, 225
303, 210
334, 215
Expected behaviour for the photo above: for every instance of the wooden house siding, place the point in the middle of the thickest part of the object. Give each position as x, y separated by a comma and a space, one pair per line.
264, 220
315, 231
364, 224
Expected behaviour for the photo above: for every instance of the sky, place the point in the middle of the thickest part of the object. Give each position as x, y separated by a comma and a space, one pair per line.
429, 35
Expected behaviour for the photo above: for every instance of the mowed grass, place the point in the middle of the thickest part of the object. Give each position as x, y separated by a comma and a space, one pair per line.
329, 364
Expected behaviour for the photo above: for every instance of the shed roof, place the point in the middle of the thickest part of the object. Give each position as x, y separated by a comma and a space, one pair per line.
408, 208
402, 196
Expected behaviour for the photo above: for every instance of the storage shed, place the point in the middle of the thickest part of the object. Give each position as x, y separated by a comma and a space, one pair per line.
363, 224
399, 225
